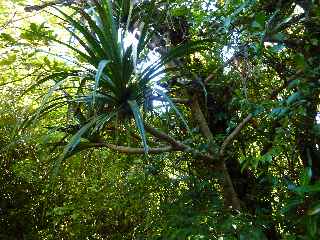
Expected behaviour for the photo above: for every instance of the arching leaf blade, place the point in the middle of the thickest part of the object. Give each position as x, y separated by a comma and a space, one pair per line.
168, 99
139, 122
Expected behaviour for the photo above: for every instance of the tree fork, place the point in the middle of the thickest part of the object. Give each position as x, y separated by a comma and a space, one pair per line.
230, 195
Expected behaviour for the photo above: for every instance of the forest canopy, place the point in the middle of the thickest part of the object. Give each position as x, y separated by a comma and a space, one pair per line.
159, 119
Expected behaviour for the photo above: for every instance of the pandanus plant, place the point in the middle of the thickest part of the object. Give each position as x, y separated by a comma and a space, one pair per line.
111, 85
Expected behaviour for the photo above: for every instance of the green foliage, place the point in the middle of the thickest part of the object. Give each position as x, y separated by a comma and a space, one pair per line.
37, 33
72, 84
118, 85
303, 206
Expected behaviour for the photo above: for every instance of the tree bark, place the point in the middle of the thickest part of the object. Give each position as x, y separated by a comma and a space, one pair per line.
230, 196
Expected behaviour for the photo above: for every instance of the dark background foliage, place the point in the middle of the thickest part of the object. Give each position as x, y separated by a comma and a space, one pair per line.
218, 139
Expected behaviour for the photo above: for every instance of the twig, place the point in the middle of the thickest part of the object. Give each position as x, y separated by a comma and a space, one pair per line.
9, 21
175, 100
48, 4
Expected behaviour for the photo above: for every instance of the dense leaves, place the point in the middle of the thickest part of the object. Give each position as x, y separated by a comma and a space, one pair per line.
159, 119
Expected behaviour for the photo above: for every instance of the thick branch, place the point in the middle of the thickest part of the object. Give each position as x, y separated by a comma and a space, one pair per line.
178, 146
165, 137
200, 119
234, 133
118, 148
230, 195
131, 150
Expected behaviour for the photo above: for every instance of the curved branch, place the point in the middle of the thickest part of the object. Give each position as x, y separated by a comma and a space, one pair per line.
131, 150
179, 146
165, 137
118, 148
230, 195
234, 133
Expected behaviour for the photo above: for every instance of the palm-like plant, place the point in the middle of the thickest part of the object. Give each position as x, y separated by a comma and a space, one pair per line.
110, 85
